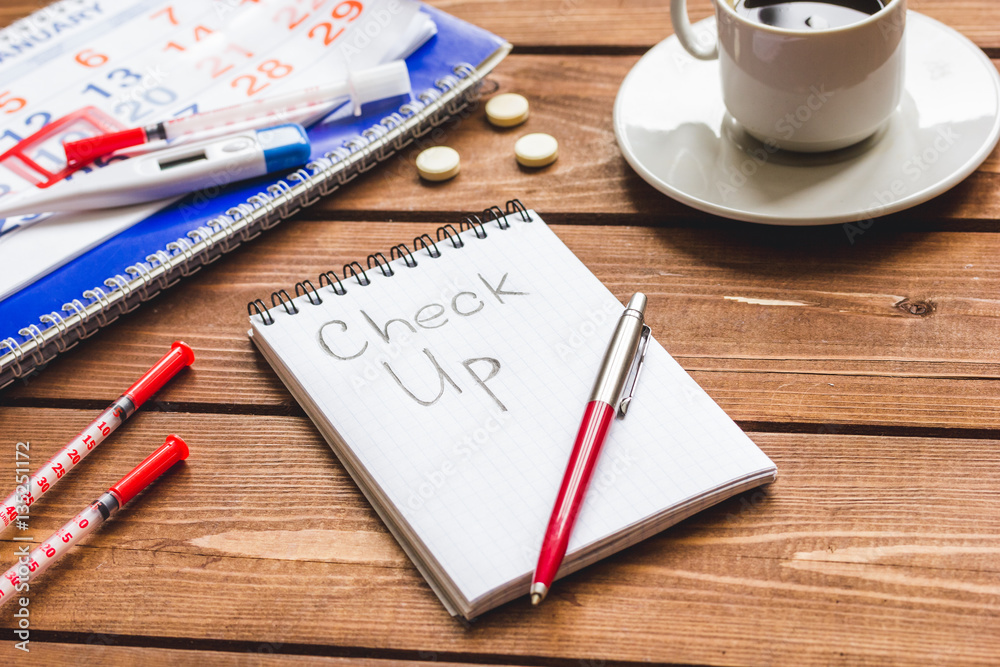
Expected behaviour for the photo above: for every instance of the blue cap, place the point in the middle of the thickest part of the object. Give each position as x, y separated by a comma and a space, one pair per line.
285, 146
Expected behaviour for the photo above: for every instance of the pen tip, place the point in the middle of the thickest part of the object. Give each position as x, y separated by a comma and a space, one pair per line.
538, 591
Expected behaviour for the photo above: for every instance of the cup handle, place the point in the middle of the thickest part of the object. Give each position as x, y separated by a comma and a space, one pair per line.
686, 36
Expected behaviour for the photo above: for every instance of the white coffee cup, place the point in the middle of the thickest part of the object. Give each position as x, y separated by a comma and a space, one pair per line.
804, 90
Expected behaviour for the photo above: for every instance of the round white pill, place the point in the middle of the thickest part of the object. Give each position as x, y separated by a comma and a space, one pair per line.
438, 163
536, 150
507, 110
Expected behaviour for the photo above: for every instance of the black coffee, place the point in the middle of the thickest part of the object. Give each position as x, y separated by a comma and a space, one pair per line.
808, 14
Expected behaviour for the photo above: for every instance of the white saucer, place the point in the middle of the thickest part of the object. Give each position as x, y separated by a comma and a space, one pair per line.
673, 128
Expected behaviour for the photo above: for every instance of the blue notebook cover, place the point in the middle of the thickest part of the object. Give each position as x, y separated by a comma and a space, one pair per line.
456, 42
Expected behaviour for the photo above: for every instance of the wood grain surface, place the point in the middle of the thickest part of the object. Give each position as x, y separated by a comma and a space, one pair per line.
875, 547
106, 650
572, 98
866, 367
589, 26
792, 326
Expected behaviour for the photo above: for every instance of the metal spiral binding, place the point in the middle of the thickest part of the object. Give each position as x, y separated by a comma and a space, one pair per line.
420, 242
357, 274
450, 233
396, 252
382, 263
473, 222
143, 280
377, 260
339, 289
313, 295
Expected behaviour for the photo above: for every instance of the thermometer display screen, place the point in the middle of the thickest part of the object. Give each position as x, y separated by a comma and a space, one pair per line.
187, 159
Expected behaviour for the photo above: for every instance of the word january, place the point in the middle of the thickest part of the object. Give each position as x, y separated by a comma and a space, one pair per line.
430, 316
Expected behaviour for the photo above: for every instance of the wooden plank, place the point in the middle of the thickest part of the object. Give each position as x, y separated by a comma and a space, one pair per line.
13, 11
778, 325
104, 650
629, 24
589, 24
866, 549
572, 98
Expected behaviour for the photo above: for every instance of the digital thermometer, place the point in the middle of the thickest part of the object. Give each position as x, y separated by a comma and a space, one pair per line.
309, 105
171, 172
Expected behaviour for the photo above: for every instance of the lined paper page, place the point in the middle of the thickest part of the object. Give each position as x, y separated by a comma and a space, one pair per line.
460, 384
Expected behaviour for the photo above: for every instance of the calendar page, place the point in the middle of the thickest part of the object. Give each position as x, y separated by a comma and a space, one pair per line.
146, 61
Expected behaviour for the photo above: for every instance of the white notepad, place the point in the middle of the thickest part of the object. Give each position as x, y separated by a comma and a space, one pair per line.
452, 392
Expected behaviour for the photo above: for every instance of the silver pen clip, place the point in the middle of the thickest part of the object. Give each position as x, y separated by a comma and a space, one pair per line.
633, 375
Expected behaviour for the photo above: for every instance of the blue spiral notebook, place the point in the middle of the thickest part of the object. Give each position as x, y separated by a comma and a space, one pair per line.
72, 302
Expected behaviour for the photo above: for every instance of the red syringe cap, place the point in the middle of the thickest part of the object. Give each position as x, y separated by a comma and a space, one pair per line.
179, 356
157, 463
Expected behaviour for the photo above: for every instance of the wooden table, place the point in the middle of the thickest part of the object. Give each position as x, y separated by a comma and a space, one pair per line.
868, 371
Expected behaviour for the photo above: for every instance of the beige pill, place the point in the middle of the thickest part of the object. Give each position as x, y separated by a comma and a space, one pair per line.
507, 110
536, 150
438, 163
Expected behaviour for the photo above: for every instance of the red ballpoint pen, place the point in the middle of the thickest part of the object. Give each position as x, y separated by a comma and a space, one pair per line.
622, 362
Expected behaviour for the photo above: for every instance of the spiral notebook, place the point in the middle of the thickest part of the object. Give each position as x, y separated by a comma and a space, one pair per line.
74, 301
450, 378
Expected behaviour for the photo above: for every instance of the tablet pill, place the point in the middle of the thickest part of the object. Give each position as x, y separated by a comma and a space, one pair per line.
438, 163
507, 110
536, 150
